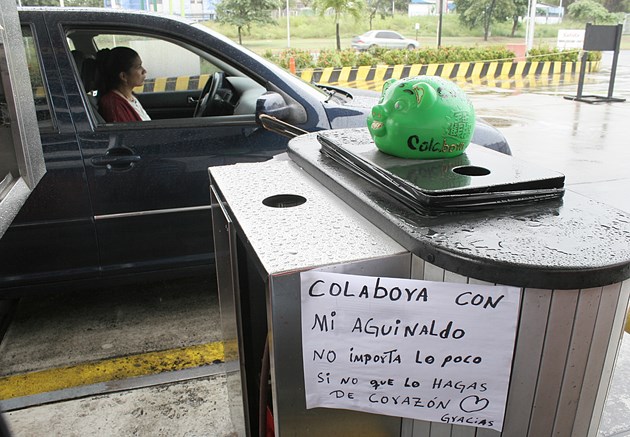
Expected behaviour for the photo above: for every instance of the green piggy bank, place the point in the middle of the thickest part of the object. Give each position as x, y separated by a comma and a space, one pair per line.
423, 117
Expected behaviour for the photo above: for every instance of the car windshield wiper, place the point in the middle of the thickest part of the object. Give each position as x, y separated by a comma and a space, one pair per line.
333, 91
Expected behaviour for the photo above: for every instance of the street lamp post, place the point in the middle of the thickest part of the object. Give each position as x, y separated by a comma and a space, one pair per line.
439, 29
529, 31
288, 28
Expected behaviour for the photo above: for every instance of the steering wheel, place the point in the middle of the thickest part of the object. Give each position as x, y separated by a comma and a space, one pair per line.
208, 94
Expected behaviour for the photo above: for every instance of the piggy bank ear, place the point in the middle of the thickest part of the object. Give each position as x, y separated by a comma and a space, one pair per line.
425, 94
386, 86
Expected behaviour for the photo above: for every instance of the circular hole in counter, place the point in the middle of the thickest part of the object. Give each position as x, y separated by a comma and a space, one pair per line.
471, 170
284, 201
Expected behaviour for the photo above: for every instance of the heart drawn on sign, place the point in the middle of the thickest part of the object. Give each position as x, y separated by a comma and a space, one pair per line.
473, 403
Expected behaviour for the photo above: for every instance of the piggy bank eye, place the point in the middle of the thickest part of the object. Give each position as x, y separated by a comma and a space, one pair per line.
400, 105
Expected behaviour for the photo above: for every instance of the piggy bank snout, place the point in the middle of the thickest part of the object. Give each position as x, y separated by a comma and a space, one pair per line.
377, 121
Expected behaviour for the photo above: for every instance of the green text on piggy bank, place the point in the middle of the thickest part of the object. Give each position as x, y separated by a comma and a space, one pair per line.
423, 117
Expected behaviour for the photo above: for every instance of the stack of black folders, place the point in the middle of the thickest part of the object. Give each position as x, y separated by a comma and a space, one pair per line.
479, 179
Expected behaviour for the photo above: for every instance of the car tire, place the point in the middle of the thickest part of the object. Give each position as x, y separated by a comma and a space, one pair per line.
411, 47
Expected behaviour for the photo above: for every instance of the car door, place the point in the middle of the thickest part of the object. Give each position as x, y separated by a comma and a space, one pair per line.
395, 41
53, 236
149, 180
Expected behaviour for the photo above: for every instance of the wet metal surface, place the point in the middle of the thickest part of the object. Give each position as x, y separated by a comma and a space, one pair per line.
551, 244
304, 236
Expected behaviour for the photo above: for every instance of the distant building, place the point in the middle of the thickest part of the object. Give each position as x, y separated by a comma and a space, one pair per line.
429, 7
194, 9
547, 14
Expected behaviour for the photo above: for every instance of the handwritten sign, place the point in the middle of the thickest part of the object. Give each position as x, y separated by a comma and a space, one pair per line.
425, 350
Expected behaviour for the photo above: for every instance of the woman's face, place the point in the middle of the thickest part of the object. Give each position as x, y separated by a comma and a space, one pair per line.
136, 74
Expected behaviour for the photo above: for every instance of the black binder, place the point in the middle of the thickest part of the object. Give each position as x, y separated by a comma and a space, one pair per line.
476, 180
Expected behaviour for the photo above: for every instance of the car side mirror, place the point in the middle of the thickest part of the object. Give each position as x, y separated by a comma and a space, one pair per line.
274, 114
273, 105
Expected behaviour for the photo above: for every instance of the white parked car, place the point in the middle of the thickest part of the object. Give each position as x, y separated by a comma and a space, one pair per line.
383, 38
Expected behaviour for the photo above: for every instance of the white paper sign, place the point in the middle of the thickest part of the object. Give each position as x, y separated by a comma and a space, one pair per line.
570, 39
425, 350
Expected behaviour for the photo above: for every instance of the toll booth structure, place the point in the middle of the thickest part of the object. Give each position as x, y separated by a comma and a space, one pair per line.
21, 157
569, 257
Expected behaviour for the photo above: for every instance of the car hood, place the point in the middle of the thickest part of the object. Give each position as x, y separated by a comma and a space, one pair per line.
354, 112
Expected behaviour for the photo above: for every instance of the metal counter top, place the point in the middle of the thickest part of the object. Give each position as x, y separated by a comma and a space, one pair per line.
568, 243
322, 230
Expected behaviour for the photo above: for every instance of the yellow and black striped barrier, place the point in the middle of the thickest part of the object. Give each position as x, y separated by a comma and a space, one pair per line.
505, 74
181, 83
502, 74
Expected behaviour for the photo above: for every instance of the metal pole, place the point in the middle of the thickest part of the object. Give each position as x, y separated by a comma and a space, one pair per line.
613, 68
439, 41
582, 73
288, 27
531, 24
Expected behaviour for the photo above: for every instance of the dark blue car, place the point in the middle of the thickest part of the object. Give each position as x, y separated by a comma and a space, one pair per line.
124, 199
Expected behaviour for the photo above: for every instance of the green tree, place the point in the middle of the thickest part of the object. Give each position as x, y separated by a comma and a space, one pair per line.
520, 10
616, 5
340, 8
475, 13
378, 7
399, 5
242, 13
590, 11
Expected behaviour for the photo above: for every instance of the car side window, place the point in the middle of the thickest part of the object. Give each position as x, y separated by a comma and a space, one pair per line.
42, 105
175, 76
169, 66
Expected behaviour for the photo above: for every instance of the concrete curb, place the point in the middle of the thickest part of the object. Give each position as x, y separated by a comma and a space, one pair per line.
488, 70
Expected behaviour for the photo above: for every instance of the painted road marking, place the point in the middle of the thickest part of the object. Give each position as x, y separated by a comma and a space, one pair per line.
151, 363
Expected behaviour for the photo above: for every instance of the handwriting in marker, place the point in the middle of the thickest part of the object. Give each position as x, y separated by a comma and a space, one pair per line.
473, 403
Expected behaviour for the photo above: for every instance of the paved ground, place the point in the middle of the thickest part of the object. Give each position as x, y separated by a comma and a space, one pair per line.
588, 143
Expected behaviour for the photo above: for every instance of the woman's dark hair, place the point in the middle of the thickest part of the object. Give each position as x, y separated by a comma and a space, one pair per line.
111, 63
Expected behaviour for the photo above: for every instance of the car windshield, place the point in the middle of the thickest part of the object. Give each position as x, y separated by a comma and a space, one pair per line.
294, 81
